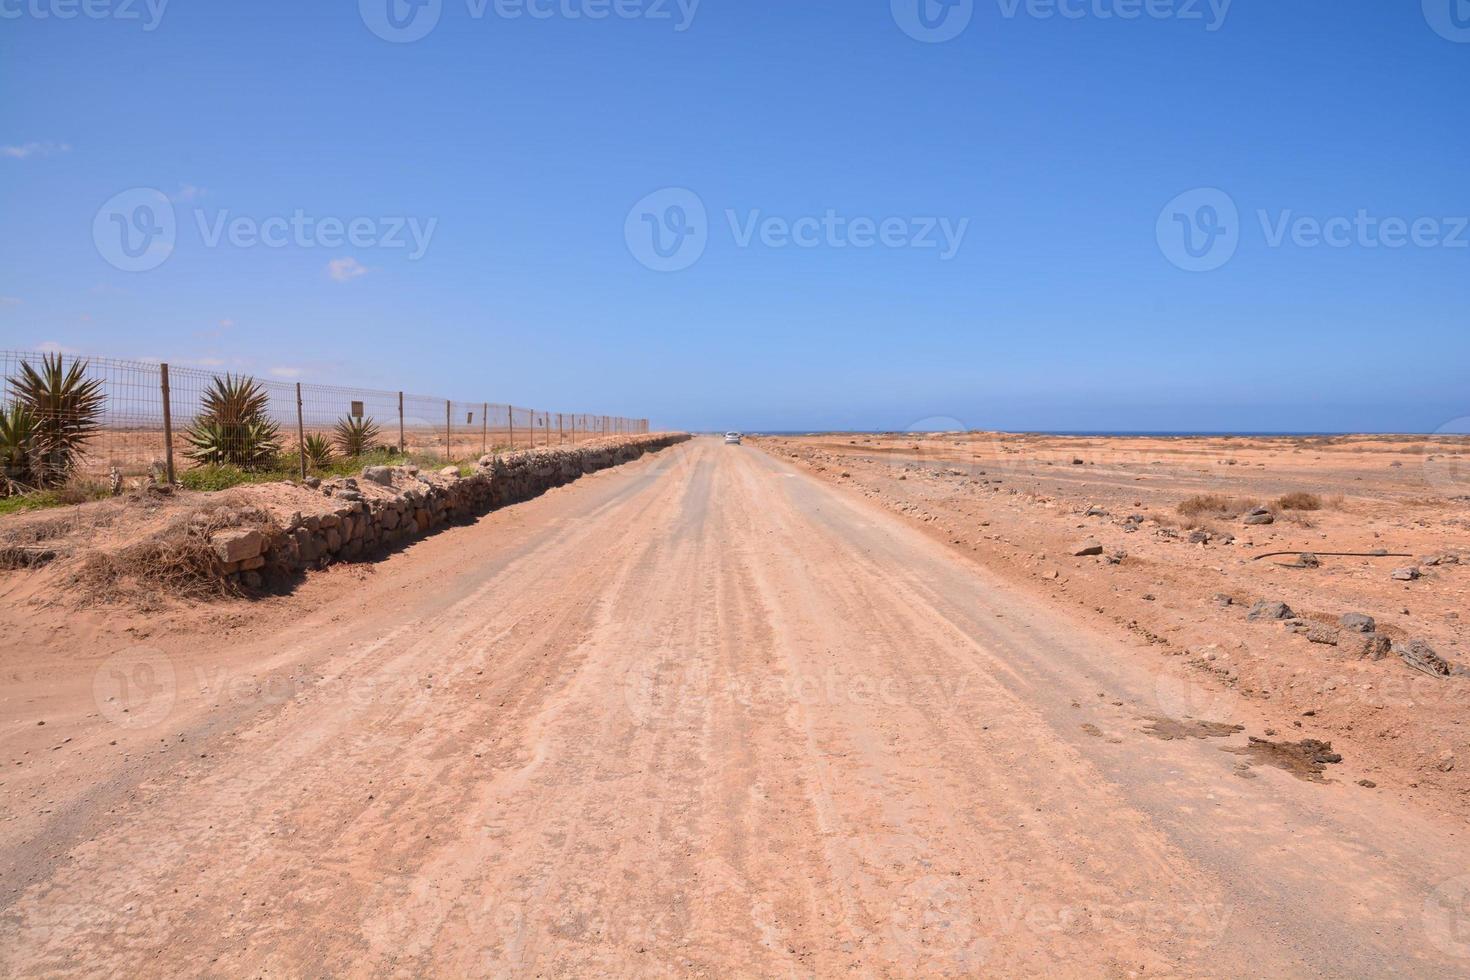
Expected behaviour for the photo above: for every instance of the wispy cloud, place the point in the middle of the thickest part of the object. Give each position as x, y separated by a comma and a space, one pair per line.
188, 192
344, 270
8, 301
52, 347
287, 372
25, 150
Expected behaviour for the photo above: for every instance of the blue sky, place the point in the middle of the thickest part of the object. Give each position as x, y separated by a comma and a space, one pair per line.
1061, 152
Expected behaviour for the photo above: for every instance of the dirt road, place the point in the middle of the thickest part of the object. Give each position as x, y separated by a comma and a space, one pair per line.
699, 714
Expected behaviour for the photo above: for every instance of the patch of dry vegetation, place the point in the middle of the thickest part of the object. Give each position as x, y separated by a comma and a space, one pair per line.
176, 561
1299, 501
1214, 505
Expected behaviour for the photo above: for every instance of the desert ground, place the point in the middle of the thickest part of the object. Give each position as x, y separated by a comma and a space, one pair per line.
801, 707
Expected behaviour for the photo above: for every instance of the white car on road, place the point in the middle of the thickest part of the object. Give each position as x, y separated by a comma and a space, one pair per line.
732, 438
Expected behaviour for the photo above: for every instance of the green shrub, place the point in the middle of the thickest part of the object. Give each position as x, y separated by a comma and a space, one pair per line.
234, 429
354, 436
318, 452
44, 432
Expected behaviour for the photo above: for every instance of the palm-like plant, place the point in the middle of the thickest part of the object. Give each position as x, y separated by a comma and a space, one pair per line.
63, 410
354, 436
234, 428
318, 451
18, 438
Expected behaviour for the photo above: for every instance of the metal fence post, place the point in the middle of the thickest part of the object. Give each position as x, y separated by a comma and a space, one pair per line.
300, 433
402, 446
168, 425
448, 433
510, 418
484, 428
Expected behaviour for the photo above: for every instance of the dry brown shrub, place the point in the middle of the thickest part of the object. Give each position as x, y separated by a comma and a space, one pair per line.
1299, 501
1214, 504
175, 562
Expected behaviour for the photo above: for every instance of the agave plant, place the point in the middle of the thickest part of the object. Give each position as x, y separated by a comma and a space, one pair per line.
57, 409
18, 438
354, 436
318, 451
234, 427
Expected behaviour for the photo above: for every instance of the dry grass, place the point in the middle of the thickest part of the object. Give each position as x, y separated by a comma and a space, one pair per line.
1214, 505
174, 562
1299, 501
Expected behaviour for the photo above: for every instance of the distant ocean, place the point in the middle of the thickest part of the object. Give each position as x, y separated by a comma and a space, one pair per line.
1161, 434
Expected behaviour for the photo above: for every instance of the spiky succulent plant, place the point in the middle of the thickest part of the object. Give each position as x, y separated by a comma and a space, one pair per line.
318, 451
62, 410
17, 447
234, 427
354, 436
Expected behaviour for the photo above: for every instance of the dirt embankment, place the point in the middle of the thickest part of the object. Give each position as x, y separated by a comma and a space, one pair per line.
158, 544
1184, 582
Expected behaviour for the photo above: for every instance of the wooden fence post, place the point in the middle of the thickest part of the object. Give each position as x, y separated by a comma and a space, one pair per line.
510, 419
484, 428
402, 446
168, 425
300, 433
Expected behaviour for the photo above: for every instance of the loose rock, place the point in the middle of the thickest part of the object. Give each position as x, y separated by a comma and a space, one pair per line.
1268, 610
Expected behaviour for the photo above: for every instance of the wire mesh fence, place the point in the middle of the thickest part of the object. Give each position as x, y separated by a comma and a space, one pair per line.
64, 416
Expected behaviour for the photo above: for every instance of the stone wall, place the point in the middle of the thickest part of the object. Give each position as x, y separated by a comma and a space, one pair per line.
388, 505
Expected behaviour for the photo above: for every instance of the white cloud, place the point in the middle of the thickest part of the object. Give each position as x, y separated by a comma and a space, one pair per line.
287, 372
25, 150
52, 347
226, 323
343, 270
188, 192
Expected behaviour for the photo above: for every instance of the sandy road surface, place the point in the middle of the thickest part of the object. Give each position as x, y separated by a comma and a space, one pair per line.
700, 714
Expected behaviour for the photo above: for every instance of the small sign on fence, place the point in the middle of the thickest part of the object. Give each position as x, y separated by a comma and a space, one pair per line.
357, 410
